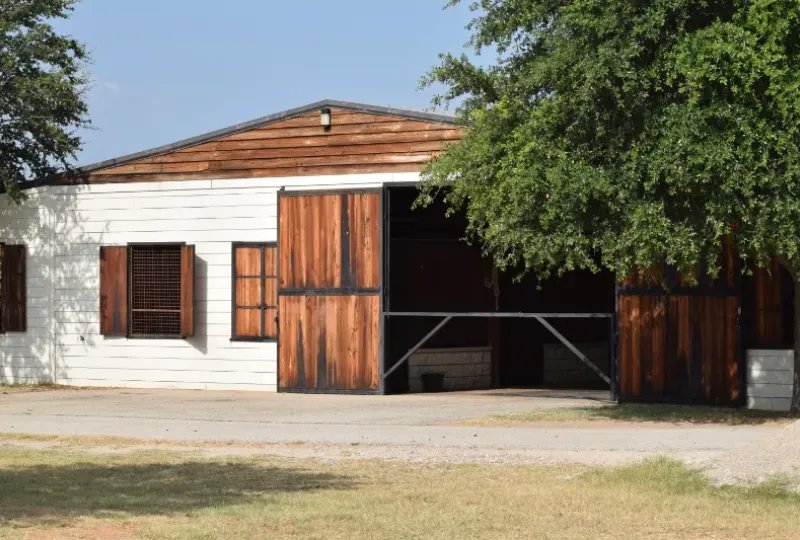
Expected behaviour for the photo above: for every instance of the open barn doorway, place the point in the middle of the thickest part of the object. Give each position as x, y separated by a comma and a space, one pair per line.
485, 329
768, 308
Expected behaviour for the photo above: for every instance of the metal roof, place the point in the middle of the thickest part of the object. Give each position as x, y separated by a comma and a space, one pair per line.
264, 121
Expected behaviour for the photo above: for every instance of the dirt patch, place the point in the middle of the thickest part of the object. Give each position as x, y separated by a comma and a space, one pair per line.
773, 458
633, 414
429, 455
27, 389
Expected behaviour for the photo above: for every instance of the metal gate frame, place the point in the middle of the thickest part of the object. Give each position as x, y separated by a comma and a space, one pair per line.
611, 379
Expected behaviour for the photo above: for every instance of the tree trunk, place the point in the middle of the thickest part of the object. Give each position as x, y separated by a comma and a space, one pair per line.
794, 269
794, 410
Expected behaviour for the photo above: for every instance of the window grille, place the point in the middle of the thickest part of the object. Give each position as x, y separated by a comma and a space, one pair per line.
155, 291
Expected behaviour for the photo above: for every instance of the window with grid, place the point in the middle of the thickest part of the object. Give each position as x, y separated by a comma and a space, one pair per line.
255, 292
155, 290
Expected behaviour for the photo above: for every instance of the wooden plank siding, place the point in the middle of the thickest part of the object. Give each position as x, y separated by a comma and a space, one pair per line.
681, 344
679, 349
329, 304
357, 142
329, 343
329, 241
361, 268
768, 323
309, 233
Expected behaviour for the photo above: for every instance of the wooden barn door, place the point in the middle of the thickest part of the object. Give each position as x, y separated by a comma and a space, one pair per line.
681, 344
329, 253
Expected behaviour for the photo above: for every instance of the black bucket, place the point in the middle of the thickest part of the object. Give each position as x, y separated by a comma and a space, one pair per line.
432, 382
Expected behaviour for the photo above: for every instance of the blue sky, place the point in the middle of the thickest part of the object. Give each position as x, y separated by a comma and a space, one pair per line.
164, 70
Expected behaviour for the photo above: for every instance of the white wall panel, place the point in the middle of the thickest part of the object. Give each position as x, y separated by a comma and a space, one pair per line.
64, 228
26, 357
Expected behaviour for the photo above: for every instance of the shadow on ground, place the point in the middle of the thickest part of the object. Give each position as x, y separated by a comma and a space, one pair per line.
600, 396
51, 495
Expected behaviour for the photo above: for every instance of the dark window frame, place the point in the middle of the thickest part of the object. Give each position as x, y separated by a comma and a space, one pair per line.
2, 300
131, 246
263, 308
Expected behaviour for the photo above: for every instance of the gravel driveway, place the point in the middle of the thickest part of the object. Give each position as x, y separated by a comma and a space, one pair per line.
414, 427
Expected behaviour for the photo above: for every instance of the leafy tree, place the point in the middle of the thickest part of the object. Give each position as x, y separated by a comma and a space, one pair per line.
622, 134
42, 85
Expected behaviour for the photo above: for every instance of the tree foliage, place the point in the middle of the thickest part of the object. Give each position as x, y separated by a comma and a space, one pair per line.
42, 85
626, 133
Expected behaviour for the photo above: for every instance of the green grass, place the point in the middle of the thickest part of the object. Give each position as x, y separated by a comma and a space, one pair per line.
638, 413
71, 492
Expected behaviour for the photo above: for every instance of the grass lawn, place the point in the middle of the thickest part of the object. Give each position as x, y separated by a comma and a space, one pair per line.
640, 413
83, 492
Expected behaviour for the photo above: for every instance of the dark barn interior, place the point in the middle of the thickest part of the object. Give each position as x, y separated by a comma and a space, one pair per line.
768, 308
428, 267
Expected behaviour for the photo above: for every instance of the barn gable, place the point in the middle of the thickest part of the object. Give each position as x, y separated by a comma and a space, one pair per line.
361, 139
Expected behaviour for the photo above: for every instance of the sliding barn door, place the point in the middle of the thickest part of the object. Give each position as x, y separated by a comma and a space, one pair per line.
329, 291
681, 344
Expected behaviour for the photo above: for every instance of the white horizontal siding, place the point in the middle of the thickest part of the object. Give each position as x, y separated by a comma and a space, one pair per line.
241, 206
25, 357
65, 226
190, 212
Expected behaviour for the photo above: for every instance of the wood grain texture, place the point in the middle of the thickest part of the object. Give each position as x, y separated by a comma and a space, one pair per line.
271, 287
248, 323
255, 294
679, 348
300, 146
14, 289
329, 244
248, 291
271, 323
114, 291
329, 343
271, 261
363, 226
309, 233
330, 241
768, 306
187, 290
248, 261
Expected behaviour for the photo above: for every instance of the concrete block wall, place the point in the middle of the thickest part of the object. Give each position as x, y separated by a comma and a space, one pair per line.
464, 369
770, 377
561, 366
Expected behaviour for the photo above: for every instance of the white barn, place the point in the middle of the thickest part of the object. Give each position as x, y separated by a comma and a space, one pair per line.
211, 193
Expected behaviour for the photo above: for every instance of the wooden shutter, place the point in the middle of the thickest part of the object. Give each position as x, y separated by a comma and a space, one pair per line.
255, 292
14, 317
247, 293
114, 291
187, 291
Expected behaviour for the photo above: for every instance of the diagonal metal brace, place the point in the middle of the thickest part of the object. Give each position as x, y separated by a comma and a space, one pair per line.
416, 347
574, 349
